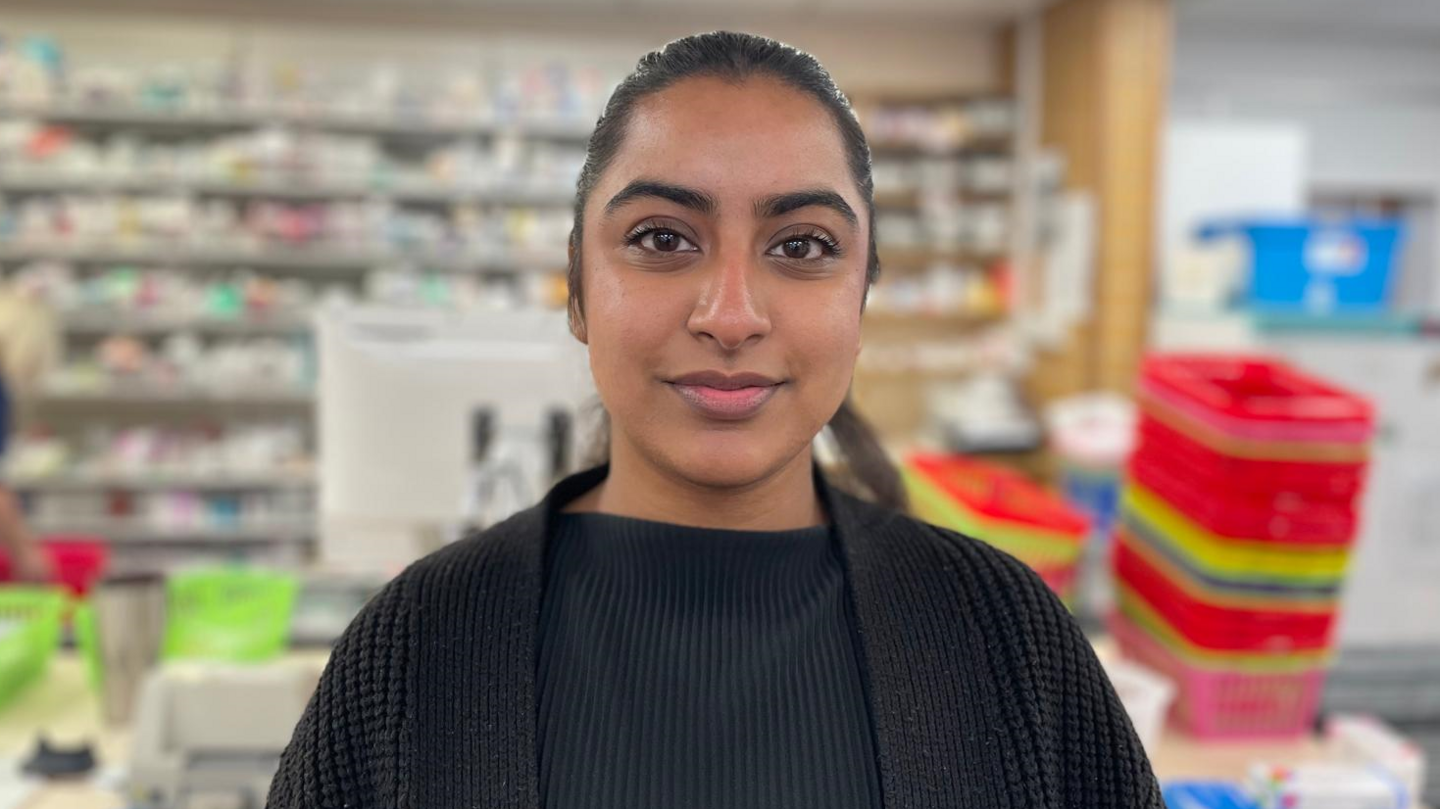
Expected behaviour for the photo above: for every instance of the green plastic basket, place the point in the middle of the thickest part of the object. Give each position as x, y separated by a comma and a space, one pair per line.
238, 615
235, 615
31, 633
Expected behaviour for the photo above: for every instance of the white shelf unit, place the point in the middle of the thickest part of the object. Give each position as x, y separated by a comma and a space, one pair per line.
186, 395
149, 481
408, 126
434, 193
128, 531
100, 322
314, 260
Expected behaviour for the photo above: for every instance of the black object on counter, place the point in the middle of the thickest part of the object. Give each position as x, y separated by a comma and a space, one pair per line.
54, 762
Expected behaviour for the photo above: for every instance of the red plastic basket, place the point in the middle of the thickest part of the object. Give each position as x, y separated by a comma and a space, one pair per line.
1313, 479
1258, 398
78, 561
1218, 704
1239, 512
1218, 627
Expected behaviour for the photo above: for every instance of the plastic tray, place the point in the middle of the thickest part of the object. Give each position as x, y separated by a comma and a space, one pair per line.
1240, 560
1224, 628
31, 615
999, 496
1036, 548
239, 615
1239, 512
1258, 398
1217, 705
1321, 267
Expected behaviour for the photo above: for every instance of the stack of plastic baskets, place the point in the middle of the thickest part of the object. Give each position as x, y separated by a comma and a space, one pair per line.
1000, 507
1235, 535
29, 633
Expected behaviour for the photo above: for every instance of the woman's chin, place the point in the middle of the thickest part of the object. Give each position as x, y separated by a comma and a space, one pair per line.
729, 462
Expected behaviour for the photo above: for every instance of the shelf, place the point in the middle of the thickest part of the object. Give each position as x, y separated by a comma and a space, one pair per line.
405, 125
922, 258
299, 259
97, 323
153, 482
960, 319
128, 531
298, 189
911, 199
153, 395
981, 144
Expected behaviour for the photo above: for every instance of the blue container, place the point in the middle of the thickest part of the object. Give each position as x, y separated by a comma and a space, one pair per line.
1205, 795
1317, 267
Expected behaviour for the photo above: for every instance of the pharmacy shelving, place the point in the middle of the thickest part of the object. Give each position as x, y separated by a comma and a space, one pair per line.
927, 189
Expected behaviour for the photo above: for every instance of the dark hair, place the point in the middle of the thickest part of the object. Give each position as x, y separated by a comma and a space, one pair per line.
735, 57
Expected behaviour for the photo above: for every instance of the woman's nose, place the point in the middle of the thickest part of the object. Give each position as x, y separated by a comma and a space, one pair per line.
730, 308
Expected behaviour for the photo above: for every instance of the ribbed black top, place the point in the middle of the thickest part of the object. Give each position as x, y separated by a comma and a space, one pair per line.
698, 668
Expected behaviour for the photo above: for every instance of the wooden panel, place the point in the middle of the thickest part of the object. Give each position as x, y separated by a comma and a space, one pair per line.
1106, 66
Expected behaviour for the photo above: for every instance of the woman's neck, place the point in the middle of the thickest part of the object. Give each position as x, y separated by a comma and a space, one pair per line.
635, 487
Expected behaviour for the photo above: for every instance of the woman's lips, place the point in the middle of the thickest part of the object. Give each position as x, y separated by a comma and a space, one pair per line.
728, 405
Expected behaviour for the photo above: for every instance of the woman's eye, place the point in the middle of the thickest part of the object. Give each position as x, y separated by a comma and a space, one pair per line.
666, 241
799, 247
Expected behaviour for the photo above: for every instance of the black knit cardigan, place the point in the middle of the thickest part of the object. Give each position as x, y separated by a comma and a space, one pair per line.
982, 690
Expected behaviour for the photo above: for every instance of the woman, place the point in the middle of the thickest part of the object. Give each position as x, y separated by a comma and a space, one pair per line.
28, 345
705, 621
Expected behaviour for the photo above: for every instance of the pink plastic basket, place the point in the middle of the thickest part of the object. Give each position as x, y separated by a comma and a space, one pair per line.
1217, 704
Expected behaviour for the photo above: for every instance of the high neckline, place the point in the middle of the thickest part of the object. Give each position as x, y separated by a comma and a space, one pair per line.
642, 527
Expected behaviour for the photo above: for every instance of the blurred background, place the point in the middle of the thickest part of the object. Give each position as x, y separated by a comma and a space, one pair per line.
281, 310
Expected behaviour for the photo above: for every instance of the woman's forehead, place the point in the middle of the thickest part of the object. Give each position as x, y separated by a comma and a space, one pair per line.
737, 142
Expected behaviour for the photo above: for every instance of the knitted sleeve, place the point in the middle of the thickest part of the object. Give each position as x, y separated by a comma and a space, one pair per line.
1061, 703
346, 749
1104, 763
1093, 752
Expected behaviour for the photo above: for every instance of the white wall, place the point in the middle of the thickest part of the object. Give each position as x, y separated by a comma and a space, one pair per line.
1371, 102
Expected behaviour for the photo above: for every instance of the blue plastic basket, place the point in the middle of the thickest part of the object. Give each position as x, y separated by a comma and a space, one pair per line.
1315, 266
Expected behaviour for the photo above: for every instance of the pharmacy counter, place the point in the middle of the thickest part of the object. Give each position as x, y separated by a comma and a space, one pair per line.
65, 707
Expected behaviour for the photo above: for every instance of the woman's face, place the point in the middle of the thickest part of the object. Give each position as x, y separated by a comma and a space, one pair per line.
724, 252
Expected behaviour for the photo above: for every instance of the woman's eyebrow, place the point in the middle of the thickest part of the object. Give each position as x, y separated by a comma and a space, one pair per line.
691, 198
781, 204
